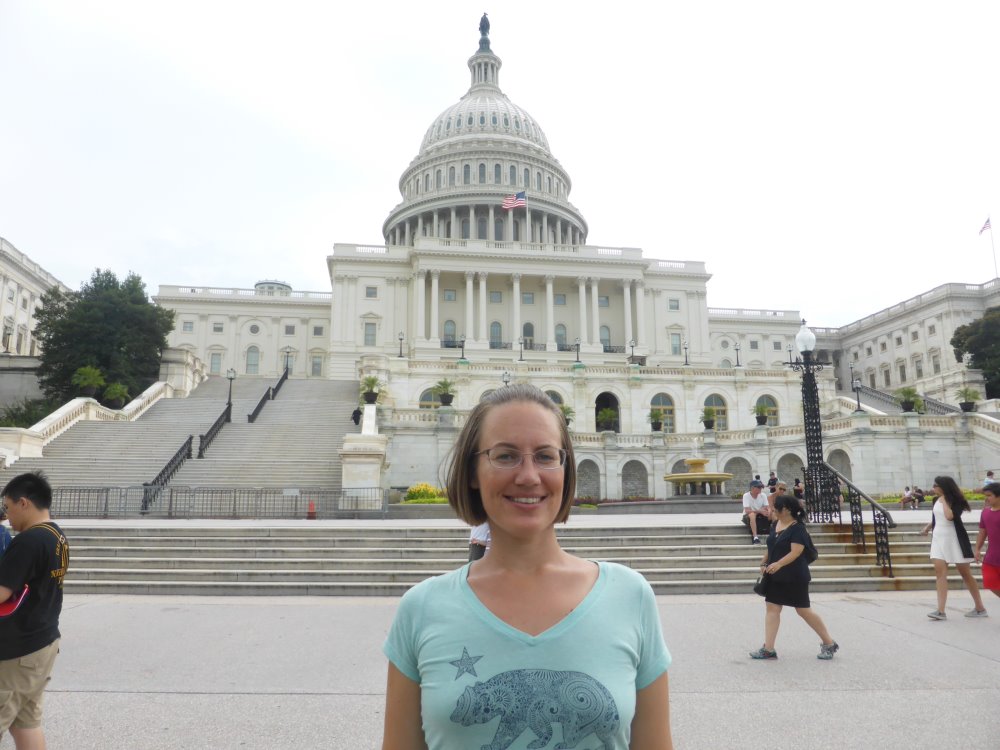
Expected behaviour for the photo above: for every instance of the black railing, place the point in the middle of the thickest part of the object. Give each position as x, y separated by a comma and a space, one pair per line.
562, 347
206, 440
501, 345
277, 386
881, 521
252, 416
609, 349
218, 502
534, 347
450, 344
152, 490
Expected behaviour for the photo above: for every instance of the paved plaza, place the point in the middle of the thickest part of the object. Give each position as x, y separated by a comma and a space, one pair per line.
140, 672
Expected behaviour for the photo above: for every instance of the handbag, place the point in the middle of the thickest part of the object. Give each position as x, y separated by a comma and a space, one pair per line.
810, 551
763, 581
10, 606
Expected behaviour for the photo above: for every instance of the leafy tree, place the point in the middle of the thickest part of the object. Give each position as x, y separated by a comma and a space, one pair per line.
981, 339
109, 324
26, 412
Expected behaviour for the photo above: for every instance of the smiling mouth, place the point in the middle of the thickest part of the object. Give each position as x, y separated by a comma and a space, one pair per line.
525, 500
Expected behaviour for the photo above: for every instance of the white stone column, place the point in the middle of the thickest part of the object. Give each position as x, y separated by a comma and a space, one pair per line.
420, 225
490, 230
640, 313
545, 227
352, 310
454, 224
437, 231
516, 306
627, 294
420, 281
508, 226
482, 306
406, 233
435, 305
581, 290
389, 326
469, 331
550, 311
527, 225
595, 323
559, 237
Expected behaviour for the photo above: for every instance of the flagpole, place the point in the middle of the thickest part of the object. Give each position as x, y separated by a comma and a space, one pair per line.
995, 274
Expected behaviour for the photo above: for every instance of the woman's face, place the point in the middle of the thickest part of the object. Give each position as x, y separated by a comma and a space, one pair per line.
524, 500
938, 492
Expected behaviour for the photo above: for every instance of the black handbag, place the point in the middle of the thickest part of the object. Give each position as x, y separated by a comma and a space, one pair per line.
763, 581
810, 552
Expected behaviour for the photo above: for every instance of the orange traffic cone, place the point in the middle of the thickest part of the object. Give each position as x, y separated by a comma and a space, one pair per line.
311, 513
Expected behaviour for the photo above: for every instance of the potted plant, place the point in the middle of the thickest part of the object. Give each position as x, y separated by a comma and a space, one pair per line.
607, 418
967, 398
708, 417
909, 399
568, 413
88, 379
444, 390
760, 413
115, 395
655, 418
371, 386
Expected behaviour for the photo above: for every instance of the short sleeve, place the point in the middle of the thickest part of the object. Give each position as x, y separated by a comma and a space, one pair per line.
400, 645
798, 535
654, 658
982, 520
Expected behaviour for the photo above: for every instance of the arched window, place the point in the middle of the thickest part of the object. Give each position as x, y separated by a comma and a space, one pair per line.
549, 185
427, 182
556, 398
467, 174
449, 332
451, 176
513, 175
496, 335
527, 177
538, 181
768, 403
429, 400
606, 338
497, 172
561, 336
482, 174
253, 360
437, 179
721, 414
481, 228
498, 230
465, 229
528, 334
663, 406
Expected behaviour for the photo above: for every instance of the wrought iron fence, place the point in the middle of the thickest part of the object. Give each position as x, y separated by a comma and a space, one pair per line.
206, 440
252, 416
281, 381
881, 521
150, 501
151, 489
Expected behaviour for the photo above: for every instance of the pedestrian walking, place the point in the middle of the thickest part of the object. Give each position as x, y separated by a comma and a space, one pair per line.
950, 545
479, 541
989, 529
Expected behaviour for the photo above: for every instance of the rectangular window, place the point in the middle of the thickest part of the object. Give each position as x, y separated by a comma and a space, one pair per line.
936, 364
881, 346
776, 345
369, 334
902, 373
371, 292
317, 330
558, 299
673, 304
899, 341
755, 345
675, 343
289, 330
10, 294
317, 365
918, 368
24, 303
496, 298
931, 330
187, 326
527, 298
856, 357
914, 335
871, 380
450, 295
215, 363
603, 301
868, 353
886, 378
216, 327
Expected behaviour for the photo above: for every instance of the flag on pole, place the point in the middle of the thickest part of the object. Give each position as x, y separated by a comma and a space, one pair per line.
986, 226
518, 200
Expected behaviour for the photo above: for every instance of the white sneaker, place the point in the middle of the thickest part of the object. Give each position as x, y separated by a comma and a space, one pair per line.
977, 613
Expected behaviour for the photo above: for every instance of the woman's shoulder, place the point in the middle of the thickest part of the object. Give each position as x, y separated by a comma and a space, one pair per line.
442, 585
622, 576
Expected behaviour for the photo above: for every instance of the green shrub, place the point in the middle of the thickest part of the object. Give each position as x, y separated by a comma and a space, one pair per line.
425, 491
427, 501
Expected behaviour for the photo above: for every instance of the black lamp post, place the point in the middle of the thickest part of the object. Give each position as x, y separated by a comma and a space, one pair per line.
463, 345
631, 344
400, 337
822, 491
520, 348
288, 357
856, 387
231, 375
577, 348
686, 363
737, 355
505, 378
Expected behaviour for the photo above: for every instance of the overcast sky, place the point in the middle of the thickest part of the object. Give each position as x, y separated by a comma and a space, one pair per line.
827, 157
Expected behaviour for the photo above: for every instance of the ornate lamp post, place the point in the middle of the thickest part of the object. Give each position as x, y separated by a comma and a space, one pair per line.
822, 491
632, 346
400, 337
737, 355
288, 356
231, 375
520, 348
505, 378
577, 345
463, 345
686, 363
856, 387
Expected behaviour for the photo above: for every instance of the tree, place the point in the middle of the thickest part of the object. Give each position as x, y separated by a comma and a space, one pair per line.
109, 324
981, 339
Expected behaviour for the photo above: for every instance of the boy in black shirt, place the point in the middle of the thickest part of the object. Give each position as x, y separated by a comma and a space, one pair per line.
29, 636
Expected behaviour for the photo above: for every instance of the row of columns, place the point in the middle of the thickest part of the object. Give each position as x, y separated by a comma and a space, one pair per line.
13, 318
564, 233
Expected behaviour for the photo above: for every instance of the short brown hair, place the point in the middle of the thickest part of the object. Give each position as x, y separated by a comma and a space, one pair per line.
466, 500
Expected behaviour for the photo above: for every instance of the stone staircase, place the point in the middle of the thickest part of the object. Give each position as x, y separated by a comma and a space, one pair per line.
382, 560
295, 441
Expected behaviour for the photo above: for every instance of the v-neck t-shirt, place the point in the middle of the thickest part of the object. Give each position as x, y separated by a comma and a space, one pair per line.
486, 683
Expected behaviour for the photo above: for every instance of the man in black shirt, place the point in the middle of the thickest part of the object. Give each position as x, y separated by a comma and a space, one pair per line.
29, 636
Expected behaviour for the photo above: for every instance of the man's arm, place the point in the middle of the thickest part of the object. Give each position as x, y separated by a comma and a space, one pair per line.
5, 593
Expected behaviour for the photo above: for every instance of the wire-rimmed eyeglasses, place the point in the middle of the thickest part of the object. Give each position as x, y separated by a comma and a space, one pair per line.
506, 458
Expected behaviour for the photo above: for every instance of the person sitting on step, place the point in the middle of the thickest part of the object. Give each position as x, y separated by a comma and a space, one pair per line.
756, 511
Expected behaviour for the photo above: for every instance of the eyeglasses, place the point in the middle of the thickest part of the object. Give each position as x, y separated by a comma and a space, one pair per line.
505, 458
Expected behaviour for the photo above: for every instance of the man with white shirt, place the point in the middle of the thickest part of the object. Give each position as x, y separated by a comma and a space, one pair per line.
756, 511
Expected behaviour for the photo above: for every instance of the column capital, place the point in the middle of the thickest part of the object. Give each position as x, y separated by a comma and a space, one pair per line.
594, 279
420, 273
549, 278
516, 277
391, 280
435, 273
482, 275
640, 284
625, 283
469, 275
581, 280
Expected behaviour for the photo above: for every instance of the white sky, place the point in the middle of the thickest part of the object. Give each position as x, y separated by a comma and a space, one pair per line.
830, 157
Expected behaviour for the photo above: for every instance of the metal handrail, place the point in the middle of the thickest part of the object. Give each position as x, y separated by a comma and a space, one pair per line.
277, 386
206, 440
876, 395
881, 521
933, 406
151, 489
252, 416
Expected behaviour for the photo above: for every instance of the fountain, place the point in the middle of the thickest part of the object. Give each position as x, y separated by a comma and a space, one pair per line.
697, 481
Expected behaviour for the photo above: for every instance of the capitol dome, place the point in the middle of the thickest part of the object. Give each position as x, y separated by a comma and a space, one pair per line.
476, 153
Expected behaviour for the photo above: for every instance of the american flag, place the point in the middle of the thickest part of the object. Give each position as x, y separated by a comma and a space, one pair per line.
986, 226
518, 200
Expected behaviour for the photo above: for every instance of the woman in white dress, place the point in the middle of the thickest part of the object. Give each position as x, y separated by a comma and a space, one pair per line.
950, 545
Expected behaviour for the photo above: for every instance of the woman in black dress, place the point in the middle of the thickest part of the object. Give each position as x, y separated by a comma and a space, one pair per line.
789, 583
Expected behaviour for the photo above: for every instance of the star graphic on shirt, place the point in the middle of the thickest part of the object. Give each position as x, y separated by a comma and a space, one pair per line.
466, 664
